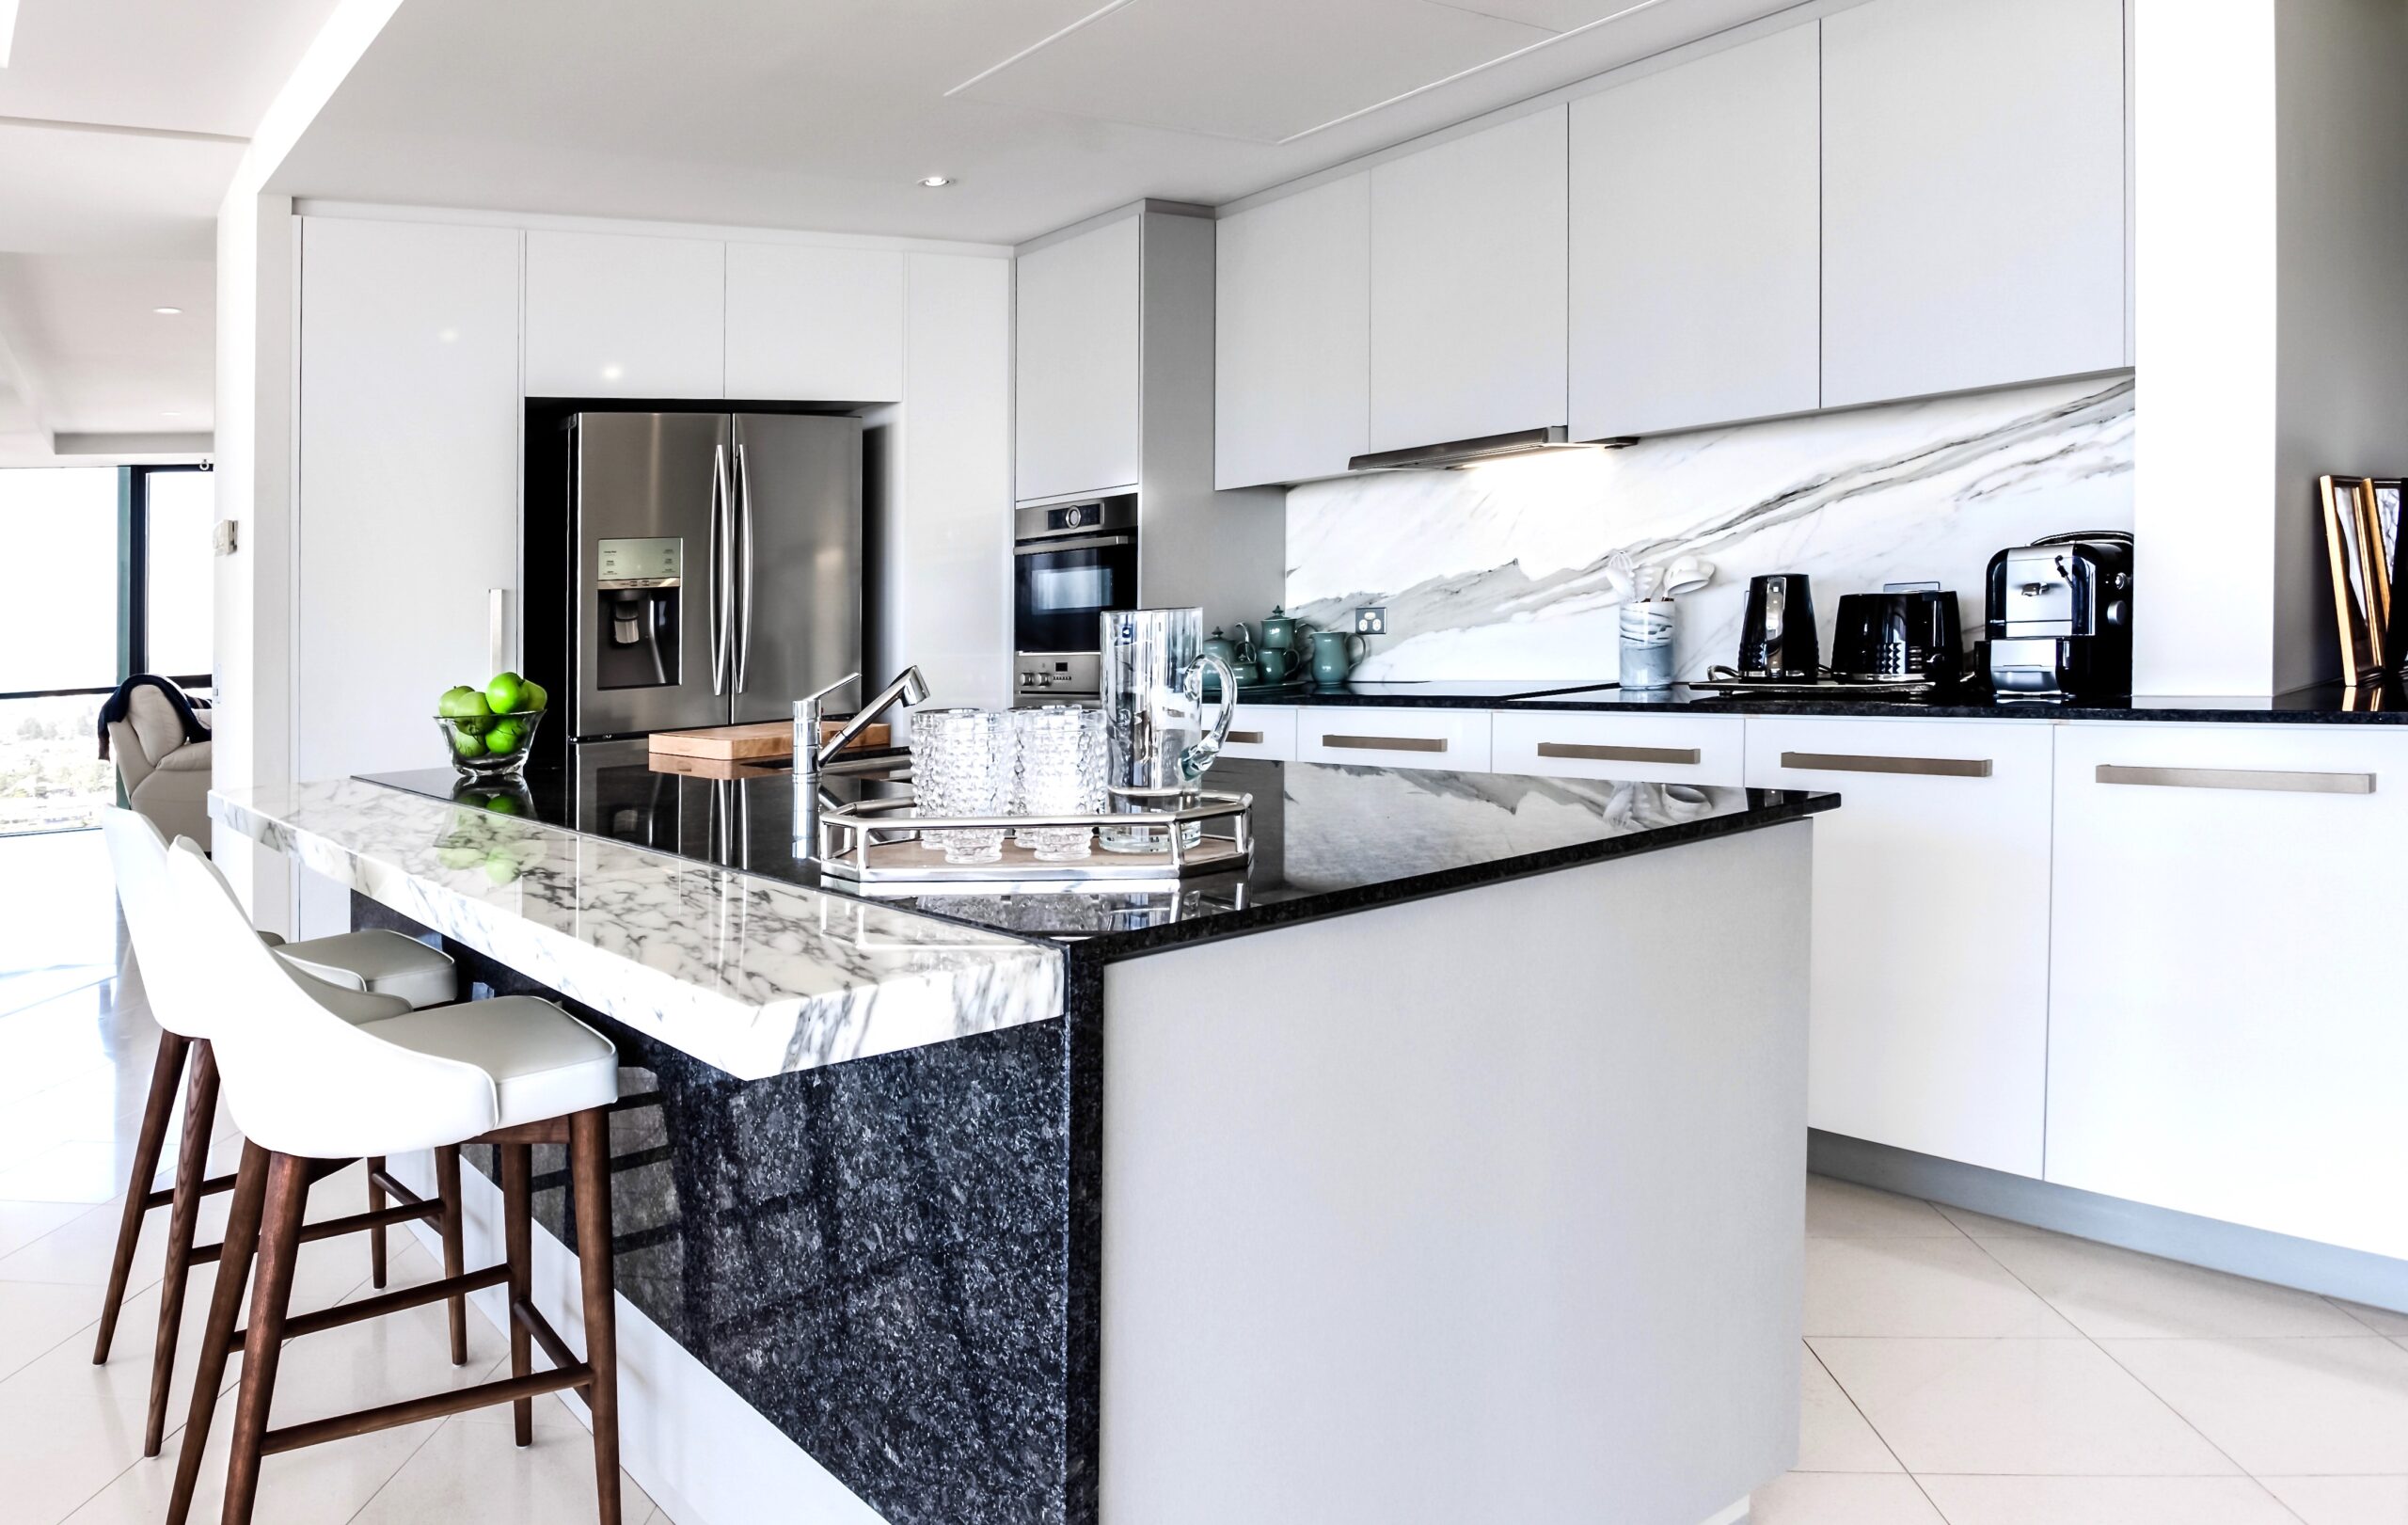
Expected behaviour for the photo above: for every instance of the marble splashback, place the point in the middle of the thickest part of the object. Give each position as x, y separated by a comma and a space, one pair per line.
1498, 570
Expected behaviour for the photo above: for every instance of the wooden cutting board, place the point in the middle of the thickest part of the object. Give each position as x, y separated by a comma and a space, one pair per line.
757, 742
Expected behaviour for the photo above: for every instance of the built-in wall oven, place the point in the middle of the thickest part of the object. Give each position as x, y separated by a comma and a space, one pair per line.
1072, 563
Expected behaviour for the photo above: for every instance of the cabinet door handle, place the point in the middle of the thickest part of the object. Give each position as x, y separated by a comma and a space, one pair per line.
1843, 762
1387, 743
2263, 780
1582, 752
1245, 739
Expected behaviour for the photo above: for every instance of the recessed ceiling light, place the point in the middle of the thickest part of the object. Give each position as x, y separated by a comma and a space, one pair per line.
170, 413
163, 311
936, 183
612, 373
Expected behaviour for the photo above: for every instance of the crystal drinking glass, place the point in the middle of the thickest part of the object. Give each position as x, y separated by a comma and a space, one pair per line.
974, 770
927, 769
1060, 773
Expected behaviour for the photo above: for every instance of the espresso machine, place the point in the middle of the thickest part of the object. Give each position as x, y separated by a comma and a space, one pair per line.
2059, 618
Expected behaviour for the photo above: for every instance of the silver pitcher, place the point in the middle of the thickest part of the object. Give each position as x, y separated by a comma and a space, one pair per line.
1159, 743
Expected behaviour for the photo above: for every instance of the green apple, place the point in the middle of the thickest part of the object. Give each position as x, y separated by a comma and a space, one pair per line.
467, 743
505, 692
502, 867
502, 805
463, 703
504, 737
531, 694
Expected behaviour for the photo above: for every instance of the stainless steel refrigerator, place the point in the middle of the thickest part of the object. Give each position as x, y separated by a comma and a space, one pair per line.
717, 566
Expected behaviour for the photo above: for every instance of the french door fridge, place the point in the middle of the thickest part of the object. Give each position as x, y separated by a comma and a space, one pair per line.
718, 567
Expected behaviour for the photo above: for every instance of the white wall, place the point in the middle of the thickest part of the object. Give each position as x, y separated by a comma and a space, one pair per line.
2341, 303
2271, 154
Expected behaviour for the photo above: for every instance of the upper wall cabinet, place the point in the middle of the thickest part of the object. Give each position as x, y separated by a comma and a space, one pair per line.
1292, 377
1079, 327
1468, 316
611, 316
1973, 195
814, 325
1696, 259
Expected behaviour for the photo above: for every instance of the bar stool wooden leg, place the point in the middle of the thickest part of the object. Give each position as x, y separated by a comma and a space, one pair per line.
166, 1072
288, 1197
376, 1235
225, 1304
447, 1185
518, 1221
192, 1159
589, 1153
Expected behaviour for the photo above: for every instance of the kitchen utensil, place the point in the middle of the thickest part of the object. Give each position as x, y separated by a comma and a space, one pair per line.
1060, 752
1333, 655
1160, 742
1907, 631
490, 749
1280, 630
975, 766
1237, 654
1278, 663
757, 742
1777, 633
2058, 617
1686, 573
928, 742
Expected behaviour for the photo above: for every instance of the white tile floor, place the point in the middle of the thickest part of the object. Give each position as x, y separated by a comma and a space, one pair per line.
1959, 1370
76, 1044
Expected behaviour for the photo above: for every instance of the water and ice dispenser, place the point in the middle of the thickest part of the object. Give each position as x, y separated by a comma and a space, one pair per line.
637, 585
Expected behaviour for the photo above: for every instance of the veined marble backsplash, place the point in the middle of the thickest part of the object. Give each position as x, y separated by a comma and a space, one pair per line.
1498, 570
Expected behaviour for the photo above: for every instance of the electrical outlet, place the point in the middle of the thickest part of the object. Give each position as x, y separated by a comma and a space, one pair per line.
1371, 619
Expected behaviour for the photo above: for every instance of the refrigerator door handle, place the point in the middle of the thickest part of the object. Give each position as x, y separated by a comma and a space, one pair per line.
743, 638
722, 578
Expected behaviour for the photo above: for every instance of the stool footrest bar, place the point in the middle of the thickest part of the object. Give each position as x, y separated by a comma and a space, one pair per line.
547, 1338
385, 1302
164, 1195
433, 1406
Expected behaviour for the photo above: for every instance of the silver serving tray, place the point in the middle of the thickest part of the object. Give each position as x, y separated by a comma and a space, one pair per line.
877, 842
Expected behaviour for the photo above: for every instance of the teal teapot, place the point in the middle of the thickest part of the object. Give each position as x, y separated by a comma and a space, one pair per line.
1237, 655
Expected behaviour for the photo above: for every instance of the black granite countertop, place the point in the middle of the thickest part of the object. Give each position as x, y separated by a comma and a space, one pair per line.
1328, 840
2384, 704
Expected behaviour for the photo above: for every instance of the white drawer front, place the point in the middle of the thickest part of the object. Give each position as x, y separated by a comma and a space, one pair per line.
1264, 731
1378, 737
1641, 749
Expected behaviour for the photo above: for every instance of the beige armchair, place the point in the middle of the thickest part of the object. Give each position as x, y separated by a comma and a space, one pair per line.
166, 777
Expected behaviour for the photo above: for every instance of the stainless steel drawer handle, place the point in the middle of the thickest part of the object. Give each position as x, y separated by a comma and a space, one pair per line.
1387, 743
1580, 751
1843, 762
1245, 739
2263, 780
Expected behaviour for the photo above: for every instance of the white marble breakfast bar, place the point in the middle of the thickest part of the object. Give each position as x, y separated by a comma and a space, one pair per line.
1432, 1165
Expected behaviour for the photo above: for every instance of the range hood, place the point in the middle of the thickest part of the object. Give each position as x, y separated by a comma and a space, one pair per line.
1456, 453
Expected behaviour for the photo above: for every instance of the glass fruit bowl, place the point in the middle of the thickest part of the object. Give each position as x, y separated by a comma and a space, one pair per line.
490, 746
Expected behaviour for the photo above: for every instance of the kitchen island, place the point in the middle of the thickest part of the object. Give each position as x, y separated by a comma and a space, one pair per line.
1447, 1164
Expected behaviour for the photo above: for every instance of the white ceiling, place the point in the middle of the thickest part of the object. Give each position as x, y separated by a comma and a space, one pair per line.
822, 114
121, 124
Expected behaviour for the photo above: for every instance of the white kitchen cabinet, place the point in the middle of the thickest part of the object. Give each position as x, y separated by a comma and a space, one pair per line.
2225, 1036
407, 496
1382, 736
1469, 267
814, 325
1930, 1027
1696, 243
1640, 749
619, 315
1973, 195
1264, 731
1079, 327
947, 591
1292, 373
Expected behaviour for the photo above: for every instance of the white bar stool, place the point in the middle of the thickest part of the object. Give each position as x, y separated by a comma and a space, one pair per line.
384, 963
312, 1091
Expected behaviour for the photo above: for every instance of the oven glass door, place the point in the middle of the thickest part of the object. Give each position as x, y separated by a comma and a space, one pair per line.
1062, 586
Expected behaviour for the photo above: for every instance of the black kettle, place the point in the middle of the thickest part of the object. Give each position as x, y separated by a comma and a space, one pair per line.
1777, 635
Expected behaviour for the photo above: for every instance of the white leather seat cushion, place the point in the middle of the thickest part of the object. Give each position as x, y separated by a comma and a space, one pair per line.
544, 1062
385, 963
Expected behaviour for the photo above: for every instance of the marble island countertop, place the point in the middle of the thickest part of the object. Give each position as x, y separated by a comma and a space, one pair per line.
1329, 840
750, 975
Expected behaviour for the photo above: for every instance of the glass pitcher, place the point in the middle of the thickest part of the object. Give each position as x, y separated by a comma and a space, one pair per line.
1159, 743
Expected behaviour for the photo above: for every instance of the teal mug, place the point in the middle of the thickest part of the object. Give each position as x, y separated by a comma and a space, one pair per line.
1333, 655
1278, 663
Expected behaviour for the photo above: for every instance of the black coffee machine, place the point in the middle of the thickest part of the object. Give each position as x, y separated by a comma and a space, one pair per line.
2059, 618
